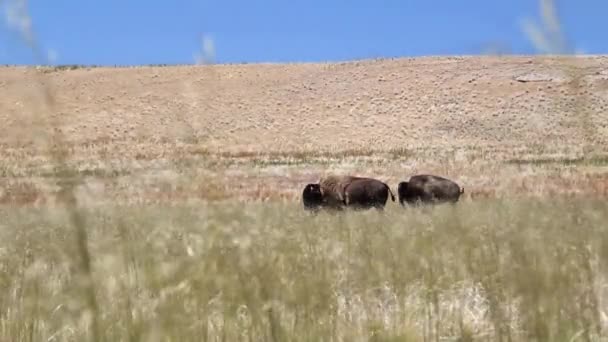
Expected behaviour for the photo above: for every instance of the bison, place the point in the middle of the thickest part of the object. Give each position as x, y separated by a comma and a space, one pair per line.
337, 192
428, 189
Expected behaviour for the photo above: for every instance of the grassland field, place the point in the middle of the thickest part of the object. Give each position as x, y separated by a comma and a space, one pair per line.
162, 203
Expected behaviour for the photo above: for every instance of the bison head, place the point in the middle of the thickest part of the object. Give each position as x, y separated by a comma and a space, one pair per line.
312, 196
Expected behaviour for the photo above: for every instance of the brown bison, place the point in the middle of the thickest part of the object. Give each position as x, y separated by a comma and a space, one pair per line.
337, 192
428, 189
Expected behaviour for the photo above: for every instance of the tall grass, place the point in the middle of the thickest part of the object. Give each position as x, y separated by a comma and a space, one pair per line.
81, 272
508, 270
498, 270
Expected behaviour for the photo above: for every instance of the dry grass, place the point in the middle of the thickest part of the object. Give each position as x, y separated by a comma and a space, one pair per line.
486, 270
202, 237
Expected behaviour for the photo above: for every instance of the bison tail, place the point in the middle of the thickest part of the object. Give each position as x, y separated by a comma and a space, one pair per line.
390, 192
462, 190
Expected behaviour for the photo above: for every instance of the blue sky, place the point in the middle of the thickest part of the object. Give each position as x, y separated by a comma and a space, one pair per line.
129, 32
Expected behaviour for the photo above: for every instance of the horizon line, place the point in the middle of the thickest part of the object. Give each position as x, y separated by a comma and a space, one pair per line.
329, 61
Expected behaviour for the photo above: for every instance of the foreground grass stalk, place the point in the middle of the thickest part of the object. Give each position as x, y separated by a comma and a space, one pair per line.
85, 278
66, 178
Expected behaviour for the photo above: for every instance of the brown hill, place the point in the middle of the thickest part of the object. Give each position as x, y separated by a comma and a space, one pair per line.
385, 118
400, 103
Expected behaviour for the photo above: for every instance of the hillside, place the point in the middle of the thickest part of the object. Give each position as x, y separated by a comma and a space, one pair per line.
398, 103
124, 122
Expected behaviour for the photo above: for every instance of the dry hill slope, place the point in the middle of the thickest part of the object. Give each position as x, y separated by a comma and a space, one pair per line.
384, 104
137, 126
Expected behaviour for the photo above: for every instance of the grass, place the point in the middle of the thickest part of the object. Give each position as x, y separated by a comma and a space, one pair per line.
601, 160
494, 270
302, 156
